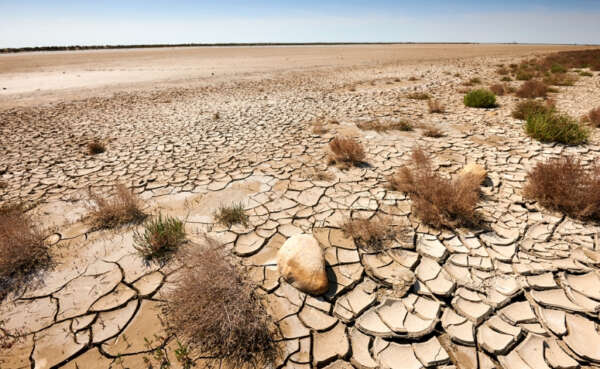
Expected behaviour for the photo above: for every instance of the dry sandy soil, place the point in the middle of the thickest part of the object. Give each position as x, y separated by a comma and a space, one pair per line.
521, 293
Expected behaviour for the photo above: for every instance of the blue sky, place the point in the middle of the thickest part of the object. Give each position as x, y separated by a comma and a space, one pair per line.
68, 22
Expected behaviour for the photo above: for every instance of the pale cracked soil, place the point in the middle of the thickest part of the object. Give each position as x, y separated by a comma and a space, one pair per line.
522, 293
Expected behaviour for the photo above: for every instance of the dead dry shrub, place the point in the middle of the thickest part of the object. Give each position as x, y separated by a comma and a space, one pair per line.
594, 117
418, 96
435, 106
532, 89
379, 126
436, 200
431, 131
123, 207
216, 312
346, 151
96, 147
370, 234
530, 106
498, 89
564, 184
23, 251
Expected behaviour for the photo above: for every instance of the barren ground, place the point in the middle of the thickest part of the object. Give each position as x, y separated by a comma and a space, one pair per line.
521, 294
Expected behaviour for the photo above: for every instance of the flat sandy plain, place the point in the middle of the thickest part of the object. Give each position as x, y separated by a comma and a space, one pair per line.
522, 293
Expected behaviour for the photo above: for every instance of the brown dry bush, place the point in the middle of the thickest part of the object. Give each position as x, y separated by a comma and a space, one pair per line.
435, 106
532, 89
498, 89
594, 117
379, 126
346, 151
96, 147
418, 96
436, 200
561, 79
431, 131
564, 184
529, 107
370, 234
122, 208
216, 311
22, 249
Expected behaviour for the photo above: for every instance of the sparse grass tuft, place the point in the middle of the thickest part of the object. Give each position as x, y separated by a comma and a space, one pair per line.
523, 75
216, 311
370, 234
22, 249
480, 99
418, 96
379, 126
318, 175
162, 236
532, 89
528, 107
123, 208
232, 214
435, 106
431, 131
585, 74
96, 147
564, 184
564, 79
346, 151
555, 127
438, 201
473, 81
594, 117
506, 79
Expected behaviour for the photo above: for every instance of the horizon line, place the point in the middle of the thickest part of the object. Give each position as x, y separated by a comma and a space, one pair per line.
13, 50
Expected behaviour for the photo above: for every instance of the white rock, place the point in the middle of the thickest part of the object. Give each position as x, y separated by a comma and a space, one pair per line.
300, 261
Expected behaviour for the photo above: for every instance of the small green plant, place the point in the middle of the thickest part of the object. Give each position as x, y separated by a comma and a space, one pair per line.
480, 99
554, 127
232, 214
161, 237
524, 75
557, 68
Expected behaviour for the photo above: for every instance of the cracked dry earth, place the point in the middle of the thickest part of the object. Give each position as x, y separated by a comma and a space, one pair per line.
524, 293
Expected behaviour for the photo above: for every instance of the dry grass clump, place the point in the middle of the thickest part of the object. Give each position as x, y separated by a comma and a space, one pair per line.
96, 147
418, 96
217, 313
431, 131
318, 175
472, 81
435, 106
22, 248
563, 79
346, 151
231, 214
436, 200
379, 126
564, 184
123, 208
594, 117
370, 234
554, 127
532, 89
162, 236
528, 107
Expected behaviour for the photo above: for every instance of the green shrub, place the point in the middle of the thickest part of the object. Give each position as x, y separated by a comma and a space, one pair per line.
232, 214
557, 68
161, 236
480, 99
554, 127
